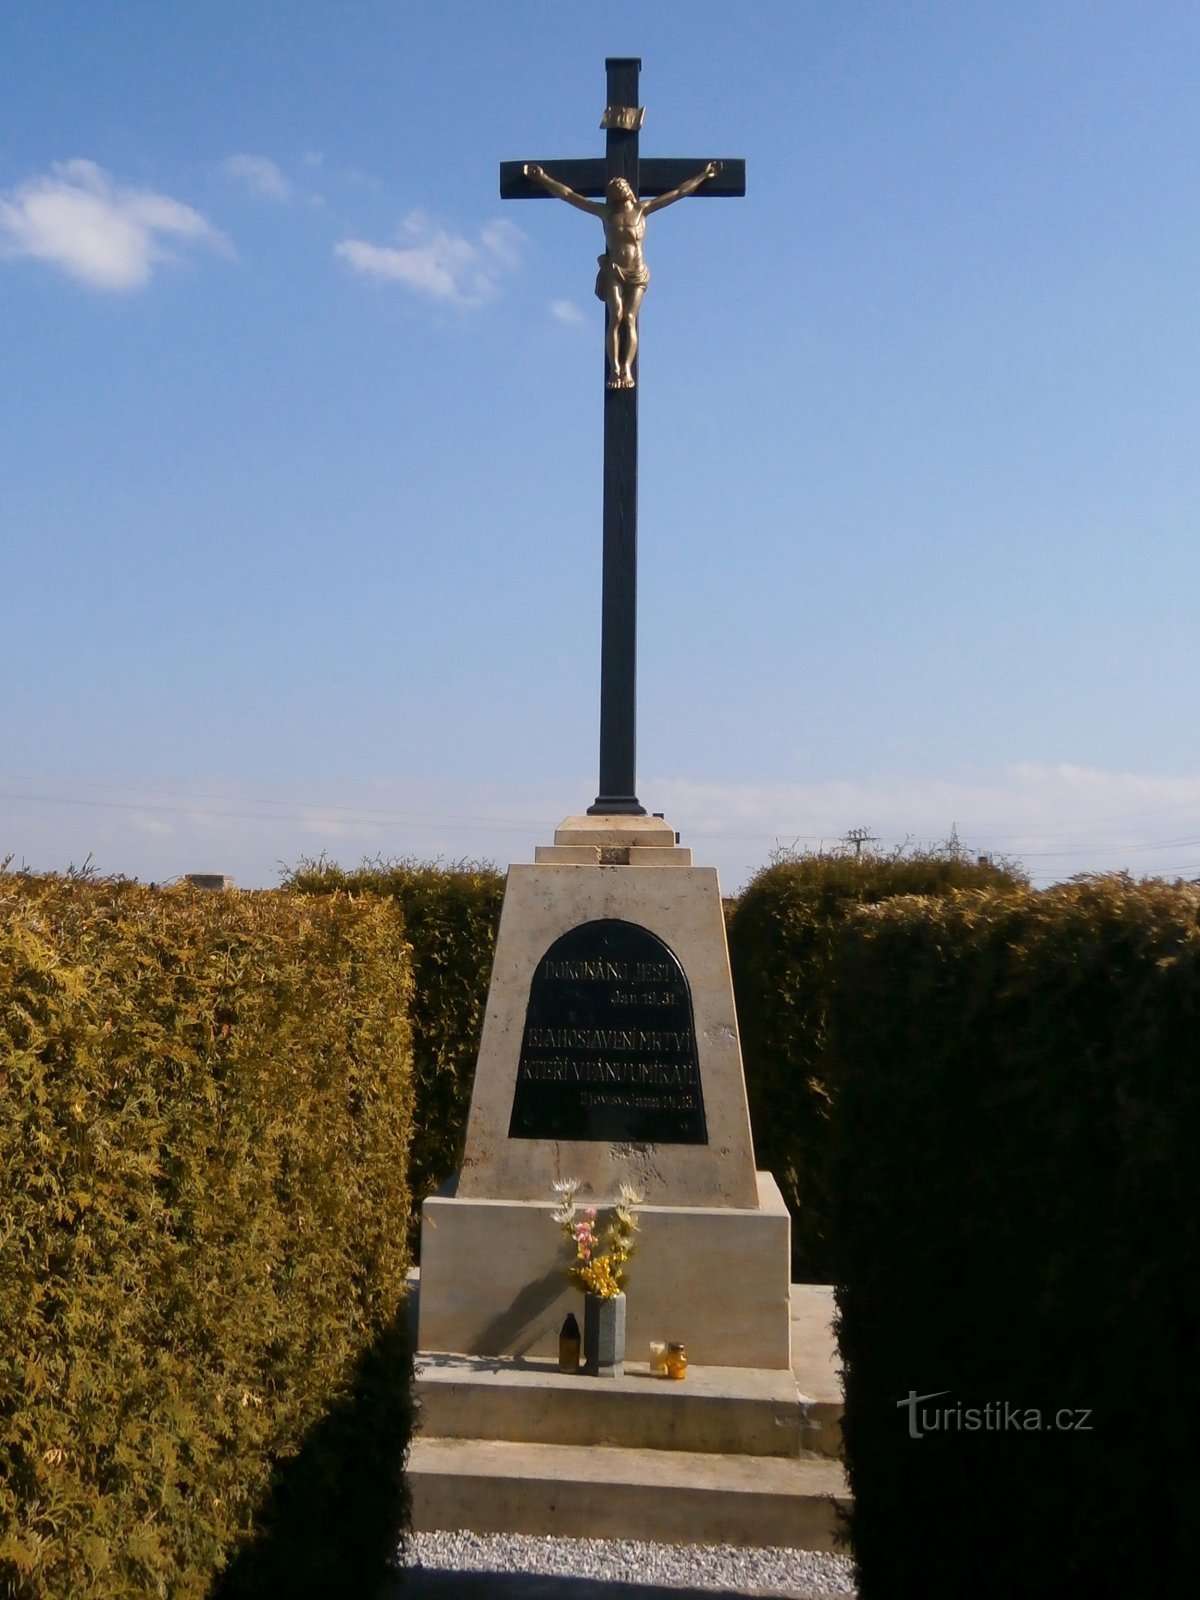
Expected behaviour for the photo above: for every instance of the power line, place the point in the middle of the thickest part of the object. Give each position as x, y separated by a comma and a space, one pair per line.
305, 812
308, 811
219, 799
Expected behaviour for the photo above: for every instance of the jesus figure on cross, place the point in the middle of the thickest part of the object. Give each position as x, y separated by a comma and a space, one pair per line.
623, 275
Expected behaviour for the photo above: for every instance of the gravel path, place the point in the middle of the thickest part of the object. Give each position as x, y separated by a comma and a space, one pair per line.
471, 1566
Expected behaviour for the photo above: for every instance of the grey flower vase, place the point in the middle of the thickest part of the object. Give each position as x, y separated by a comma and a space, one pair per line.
604, 1336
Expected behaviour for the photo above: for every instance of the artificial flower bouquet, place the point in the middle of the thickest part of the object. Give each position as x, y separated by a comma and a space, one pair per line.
599, 1265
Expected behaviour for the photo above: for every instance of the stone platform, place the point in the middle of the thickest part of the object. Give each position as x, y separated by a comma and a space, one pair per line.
474, 1250
732, 1455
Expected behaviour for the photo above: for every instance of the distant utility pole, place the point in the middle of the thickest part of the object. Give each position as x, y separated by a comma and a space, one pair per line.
859, 837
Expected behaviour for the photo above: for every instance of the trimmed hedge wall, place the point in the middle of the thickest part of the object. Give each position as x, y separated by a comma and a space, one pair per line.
450, 915
205, 1103
1015, 1138
783, 931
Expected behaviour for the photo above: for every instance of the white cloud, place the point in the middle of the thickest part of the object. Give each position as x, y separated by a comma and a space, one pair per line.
103, 233
444, 266
315, 161
566, 311
260, 176
503, 242
1056, 818
141, 823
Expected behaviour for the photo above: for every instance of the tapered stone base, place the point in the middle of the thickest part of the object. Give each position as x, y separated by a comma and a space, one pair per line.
712, 1262
677, 904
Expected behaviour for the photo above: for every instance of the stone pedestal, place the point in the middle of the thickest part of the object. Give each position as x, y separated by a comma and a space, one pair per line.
610, 1054
715, 1277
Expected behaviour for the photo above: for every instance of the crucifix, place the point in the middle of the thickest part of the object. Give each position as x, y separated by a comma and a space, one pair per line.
630, 190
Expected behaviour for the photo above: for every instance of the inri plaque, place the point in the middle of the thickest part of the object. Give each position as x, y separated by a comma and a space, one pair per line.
609, 1048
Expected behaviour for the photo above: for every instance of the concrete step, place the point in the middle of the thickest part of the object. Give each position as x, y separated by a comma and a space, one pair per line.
601, 1491
717, 1410
816, 1367
815, 1370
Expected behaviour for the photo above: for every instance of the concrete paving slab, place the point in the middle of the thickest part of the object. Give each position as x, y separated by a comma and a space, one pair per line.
597, 1491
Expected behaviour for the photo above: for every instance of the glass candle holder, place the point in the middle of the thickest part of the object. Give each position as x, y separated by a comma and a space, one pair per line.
658, 1358
676, 1361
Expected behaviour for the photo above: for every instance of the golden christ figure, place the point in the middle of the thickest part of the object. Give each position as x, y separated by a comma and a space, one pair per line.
623, 276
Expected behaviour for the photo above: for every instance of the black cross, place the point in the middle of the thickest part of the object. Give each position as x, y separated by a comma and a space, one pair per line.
618, 636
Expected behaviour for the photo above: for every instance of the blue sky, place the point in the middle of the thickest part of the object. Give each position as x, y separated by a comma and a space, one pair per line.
300, 442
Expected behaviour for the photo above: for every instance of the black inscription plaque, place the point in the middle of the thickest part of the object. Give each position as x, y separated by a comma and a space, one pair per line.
609, 1048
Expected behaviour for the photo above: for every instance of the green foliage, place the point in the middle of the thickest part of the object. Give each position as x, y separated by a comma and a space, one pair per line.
782, 934
205, 1103
450, 916
1014, 1142
327, 1525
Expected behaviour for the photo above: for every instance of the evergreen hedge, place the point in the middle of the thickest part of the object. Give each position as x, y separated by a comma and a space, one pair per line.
1014, 1156
451, 915
205, 1104
783, 930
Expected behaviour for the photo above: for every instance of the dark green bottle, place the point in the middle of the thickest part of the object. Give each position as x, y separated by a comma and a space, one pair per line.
568, 1345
